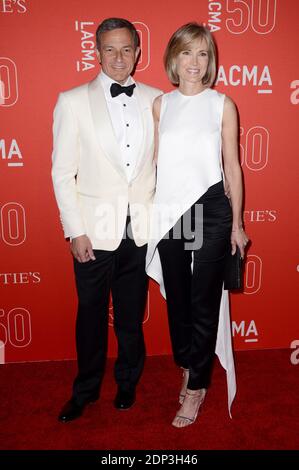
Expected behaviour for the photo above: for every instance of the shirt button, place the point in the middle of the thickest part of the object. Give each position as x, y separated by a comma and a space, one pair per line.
128, 145
127, 125
124, 104
128, 164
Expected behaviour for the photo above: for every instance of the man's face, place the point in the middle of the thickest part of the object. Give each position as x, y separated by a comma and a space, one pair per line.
117, 54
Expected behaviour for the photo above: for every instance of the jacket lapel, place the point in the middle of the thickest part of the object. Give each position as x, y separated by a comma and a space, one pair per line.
103, 126
147, 126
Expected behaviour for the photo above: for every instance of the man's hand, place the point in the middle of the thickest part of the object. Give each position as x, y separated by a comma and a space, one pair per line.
81, 249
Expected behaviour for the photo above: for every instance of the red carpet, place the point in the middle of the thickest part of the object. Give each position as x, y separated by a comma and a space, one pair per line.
265, 413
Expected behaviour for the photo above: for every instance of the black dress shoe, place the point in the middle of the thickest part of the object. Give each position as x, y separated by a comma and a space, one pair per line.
72, 410
124, 399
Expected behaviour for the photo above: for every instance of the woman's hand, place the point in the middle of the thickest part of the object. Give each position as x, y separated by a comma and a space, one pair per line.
240, 239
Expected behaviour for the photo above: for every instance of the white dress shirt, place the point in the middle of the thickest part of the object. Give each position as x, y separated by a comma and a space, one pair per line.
126, 121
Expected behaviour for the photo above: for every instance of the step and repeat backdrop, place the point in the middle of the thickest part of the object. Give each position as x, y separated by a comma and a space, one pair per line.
47, 46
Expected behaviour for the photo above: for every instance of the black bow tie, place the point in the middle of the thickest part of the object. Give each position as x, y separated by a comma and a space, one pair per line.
116, 89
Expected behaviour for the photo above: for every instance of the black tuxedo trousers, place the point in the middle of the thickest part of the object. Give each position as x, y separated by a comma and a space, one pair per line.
121, 273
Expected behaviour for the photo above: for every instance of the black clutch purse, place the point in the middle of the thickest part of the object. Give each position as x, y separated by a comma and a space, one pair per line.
233, 272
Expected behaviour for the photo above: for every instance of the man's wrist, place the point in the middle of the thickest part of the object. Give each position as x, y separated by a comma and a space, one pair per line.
77, 236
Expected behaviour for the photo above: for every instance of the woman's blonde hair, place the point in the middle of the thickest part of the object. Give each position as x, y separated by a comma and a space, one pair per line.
179, 41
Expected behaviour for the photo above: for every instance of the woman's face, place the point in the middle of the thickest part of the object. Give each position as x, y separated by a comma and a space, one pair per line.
192, 63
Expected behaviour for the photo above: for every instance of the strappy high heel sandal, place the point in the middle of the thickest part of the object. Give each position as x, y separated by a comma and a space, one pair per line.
184, 385
181, 419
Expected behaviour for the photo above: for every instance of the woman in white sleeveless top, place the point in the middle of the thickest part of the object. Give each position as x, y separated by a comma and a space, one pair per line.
195, 128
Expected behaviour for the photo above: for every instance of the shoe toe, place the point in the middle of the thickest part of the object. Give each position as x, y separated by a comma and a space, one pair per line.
70, 411
124, 400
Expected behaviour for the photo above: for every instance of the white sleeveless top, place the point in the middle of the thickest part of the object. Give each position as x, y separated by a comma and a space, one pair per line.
189, 162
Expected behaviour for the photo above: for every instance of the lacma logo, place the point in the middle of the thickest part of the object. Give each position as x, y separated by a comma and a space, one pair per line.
13, 6
243, 75
88, 57
10, 153
246, 330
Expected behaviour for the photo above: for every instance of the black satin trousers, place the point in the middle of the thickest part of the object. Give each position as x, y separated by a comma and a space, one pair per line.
193, 296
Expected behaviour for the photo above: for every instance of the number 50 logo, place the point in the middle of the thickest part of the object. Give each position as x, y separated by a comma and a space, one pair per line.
13, 224
144, 34
15, 329
8, 82
254, 150
261, 14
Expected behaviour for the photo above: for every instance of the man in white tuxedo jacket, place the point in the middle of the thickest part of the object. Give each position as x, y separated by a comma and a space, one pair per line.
104, 181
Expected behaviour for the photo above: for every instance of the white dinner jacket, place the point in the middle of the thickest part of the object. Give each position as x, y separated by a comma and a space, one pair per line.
90, 184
